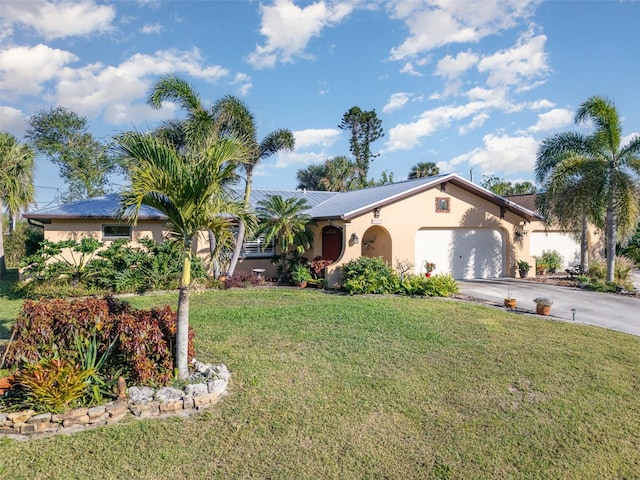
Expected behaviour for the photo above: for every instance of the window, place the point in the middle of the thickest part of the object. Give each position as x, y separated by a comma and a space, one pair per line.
116, 231
254, 248
442, 205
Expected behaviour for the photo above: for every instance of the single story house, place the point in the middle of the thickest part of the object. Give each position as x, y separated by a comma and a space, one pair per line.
466, 230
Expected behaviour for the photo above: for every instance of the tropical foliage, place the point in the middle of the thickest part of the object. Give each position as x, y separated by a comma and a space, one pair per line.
423, 169
284, 222
365, 128
191, 187
598, 171
16, 183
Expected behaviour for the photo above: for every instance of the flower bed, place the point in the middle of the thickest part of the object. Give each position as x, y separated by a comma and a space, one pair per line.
143, 402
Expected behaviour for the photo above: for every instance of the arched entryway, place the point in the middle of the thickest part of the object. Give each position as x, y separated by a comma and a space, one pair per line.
376, 242
331, 243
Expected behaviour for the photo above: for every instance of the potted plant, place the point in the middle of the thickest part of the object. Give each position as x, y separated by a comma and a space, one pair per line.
510, 302
543, 305
523, 268
428, 268
300, 274
541, 266
552, 259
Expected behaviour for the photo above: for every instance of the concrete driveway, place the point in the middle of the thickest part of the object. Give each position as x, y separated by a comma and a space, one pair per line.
606, 310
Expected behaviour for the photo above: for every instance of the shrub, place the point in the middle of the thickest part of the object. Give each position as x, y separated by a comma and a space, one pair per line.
552, 259
242, 279
369, 275
53, 385
118, 268
144, 339
22, 242
441, 285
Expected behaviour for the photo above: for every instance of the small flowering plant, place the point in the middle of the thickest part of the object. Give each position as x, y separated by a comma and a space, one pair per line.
429, 266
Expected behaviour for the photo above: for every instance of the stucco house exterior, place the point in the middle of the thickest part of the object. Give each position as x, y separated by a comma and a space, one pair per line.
466, 230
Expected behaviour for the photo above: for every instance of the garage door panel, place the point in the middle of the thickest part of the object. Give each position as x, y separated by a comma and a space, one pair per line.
564, 243
462, 252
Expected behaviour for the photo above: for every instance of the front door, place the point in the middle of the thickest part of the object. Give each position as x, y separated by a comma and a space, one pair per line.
331, 243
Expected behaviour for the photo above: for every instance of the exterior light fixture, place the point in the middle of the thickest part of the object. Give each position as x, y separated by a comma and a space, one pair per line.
354, 240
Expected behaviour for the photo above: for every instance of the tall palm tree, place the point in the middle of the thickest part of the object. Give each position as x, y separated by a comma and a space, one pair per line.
285, 223
310, 178
234, 118
607, 168
192, 189
423, 169
16, 182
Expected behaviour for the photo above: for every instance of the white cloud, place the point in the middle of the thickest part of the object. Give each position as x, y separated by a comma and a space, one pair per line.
59, 19
289, 29
243, 83
409, 70
406, 136
324, 137
552, 120
452, 67
94, 88
12, 121
287, 159
435, 23
25, 69
503, 153
476, 122
150, 28
396, 102
541, 104
525, 62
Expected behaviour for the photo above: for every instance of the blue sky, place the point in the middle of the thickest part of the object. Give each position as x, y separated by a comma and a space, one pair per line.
471, 86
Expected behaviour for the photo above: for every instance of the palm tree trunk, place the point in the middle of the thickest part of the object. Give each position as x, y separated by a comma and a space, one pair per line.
237, 249
215, 265
584, 244
3, 265
182, 332
612, 223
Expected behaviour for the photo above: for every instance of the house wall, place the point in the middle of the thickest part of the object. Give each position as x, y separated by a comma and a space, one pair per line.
401, 220
77, 229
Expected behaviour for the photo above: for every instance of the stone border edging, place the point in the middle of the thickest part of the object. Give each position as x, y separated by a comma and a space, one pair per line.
144, 402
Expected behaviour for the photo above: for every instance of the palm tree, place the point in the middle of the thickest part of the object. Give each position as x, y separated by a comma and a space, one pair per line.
285, 223
192, 189
234, 118
342, 175
423, 169
16, 182
310, 178
605, 172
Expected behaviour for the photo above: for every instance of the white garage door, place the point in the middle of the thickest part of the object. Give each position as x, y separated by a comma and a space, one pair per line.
462, 252
567, 246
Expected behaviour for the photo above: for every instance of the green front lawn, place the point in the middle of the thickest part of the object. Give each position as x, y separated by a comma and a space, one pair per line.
331, 386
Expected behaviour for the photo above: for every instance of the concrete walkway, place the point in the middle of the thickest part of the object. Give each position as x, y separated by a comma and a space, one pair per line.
606, 310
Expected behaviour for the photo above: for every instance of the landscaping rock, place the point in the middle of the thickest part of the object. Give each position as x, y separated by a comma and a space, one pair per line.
43, 417
96, 412
217, 386
169, 394
140, 395
196, 389
21, 417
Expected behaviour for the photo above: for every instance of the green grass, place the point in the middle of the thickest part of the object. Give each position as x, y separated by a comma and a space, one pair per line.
330, 386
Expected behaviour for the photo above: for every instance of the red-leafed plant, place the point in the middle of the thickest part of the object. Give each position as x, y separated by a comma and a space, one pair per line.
143, 340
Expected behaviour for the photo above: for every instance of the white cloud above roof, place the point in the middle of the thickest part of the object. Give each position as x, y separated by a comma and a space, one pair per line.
55, 20
289, 28
552, 120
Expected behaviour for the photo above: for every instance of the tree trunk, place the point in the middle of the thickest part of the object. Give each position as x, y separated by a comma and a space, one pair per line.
182, 333
237, 249
612, 223
3, 265
215, 265
584, 245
